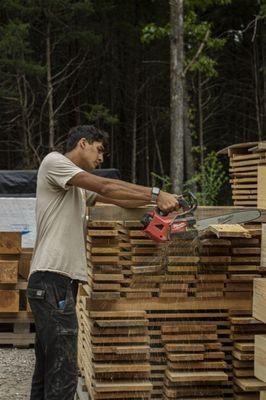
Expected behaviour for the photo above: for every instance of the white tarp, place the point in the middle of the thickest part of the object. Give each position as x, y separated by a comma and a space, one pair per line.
18, 214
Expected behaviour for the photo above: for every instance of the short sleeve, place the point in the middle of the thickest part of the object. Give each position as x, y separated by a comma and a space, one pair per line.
90, 198
59, 170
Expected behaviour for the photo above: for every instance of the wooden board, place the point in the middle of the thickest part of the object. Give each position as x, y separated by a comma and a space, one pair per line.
227, 230
260, 357
9, 301
10, 242
204, 376
259, 299
261, 187
8, 271
250, 384
263, 246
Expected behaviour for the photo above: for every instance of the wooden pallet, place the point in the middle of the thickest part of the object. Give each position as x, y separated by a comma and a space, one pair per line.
247, 174
17, 329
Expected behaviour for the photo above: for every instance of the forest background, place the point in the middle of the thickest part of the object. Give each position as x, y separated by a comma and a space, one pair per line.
110, 63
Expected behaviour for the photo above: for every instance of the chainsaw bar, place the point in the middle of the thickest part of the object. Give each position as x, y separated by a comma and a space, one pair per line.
233, 218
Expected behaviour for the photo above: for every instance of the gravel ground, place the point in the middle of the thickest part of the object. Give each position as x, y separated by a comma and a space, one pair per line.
16, 368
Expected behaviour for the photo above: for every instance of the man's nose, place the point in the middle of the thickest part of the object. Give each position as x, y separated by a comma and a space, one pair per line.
100, 158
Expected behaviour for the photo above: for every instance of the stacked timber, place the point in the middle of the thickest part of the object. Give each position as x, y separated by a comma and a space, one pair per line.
247, 173
114, 350
156, 321
15, 321
244, 329
259, 304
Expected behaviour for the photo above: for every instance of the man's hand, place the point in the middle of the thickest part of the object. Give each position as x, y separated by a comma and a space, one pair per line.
167, 202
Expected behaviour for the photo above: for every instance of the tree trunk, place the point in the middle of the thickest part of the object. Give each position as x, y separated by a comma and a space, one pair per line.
257, 88
50, 90
134, 145
177, 96
189, 164
22, 103
200, 122
263, 66
147, 157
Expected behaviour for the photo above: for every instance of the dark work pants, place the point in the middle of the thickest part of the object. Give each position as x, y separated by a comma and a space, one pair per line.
55, 375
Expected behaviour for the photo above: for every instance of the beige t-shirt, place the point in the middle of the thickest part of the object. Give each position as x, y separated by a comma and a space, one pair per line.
60, 215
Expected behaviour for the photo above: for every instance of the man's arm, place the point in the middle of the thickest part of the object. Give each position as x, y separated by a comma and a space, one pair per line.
121, 203
121, 190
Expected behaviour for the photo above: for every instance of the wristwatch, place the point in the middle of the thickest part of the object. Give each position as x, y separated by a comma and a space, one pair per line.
154, 194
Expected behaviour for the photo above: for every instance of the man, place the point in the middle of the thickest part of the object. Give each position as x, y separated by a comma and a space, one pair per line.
64, 184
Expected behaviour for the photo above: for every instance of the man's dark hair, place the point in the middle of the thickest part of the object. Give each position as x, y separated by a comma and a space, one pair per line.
89, 132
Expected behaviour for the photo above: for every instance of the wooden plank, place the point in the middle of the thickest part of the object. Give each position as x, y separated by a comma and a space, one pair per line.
259, 299
185, 357
10, 242
169, 304
108, 277
244, 346
229, 231
261, 187
112, 367
121, 386
245, 197
102, 232
9, 301
245, 163
117, 314
250, 384
263, 246
8, 271
121, 323
204, 376
174, 347
189, 327
245, 202
198, 365
245, 157
246, 168
260, 357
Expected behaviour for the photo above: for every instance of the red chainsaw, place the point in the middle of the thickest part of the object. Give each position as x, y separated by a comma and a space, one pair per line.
163, 227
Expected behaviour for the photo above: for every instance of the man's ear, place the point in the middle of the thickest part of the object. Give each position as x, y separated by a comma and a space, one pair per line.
82, 143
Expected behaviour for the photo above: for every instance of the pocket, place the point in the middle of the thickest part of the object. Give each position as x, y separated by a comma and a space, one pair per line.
35, 293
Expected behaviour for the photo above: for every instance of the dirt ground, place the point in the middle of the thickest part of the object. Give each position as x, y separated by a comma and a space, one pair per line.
16, 368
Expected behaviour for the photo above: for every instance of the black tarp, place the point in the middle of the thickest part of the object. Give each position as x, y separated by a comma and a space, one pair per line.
22, 183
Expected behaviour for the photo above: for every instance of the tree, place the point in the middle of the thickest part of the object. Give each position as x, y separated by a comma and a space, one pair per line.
177, 95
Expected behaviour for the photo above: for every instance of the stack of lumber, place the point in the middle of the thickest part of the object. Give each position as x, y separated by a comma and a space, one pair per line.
114, 351
243, 330
15, 321
259, 307
156, 320
247, 173
104, 272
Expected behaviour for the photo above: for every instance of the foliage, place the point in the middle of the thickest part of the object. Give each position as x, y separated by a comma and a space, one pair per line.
99, 115
164, 182
210, 180
152, 32
197, 33
16, 53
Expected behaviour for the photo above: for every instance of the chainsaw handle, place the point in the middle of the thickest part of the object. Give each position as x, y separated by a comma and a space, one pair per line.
188, 206
160, 212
